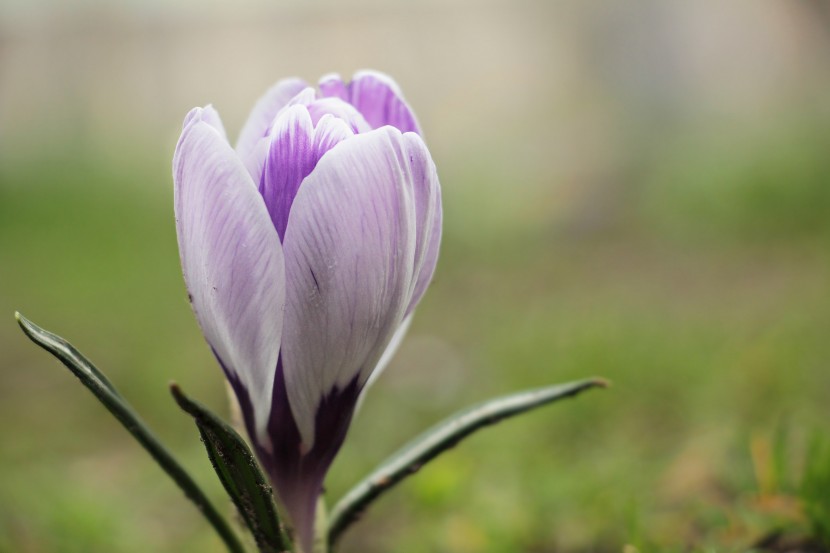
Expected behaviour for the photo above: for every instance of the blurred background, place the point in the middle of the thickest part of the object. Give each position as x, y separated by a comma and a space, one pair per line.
636, 190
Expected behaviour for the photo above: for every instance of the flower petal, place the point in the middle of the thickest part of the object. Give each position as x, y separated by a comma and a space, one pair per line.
341, 110
288, 162
295, 147
428, 239
428, 216
208, 115
350, 255
387, 356
329, 132
264, 112
317, 107
298, 474
376, 96
332, 86
232, 262
303, 97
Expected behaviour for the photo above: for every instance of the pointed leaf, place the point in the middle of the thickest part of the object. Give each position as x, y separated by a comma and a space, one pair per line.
240, 475
105, 392
441, 437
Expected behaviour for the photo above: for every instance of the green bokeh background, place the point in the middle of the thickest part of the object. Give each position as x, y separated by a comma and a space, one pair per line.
641, 193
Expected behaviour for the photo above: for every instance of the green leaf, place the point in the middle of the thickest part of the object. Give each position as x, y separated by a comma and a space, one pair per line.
441, 437
238, 470
105, 392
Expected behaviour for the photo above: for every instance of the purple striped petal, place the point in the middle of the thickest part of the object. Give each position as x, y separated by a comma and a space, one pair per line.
351, 250
304, 97
298, 474
208, 115
264, 113
290, 158
232, 262
340, 109
332, 86
350, 253
428, 217
295, 147
318, 107
376, 96
428, 228
387, 356
329, 132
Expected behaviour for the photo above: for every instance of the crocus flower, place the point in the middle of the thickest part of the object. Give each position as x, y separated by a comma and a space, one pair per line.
305, 250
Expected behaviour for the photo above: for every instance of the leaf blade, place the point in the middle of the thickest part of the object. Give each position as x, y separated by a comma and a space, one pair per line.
103, 390
238, 471
441, 437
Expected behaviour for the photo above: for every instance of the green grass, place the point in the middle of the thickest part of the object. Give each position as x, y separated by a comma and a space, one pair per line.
708, 310
815, 488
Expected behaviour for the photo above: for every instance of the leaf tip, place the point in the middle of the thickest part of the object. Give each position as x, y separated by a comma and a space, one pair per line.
178, 394
185, 403
21, 320
599, 382
29, 328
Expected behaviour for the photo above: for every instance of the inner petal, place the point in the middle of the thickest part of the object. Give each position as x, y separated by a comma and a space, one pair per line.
376, 96
340, 109
298, 140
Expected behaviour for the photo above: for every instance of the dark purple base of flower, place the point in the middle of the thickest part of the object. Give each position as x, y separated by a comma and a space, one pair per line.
296, 475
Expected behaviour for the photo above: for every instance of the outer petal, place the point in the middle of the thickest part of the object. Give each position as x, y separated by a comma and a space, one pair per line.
376, 96
350, 249
428, 216
232, 262
350, 253
432, 241
264, 112
428, 228
387, 356
208, 115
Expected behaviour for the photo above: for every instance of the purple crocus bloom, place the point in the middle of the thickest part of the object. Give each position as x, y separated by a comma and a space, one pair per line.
305, 250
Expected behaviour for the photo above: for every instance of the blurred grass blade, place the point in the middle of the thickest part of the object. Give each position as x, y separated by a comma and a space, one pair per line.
440, 438
238, 470
106, 393
815, 488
